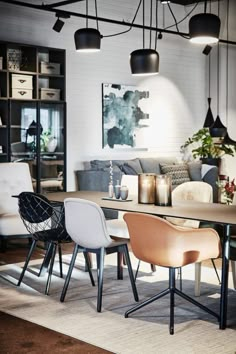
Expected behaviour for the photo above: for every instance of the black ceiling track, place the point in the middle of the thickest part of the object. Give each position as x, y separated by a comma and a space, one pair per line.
53, 8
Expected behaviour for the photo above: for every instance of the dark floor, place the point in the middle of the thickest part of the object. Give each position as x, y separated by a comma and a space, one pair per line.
18, 336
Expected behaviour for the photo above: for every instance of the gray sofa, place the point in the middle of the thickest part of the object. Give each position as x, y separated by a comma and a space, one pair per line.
97, 177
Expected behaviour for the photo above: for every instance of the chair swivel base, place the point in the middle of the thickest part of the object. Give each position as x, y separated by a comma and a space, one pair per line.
172, 290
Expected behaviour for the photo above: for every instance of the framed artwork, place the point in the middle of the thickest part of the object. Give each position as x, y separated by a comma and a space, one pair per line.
125, 120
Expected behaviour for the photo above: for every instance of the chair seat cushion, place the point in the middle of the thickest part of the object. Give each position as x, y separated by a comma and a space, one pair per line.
117, 228
11, 224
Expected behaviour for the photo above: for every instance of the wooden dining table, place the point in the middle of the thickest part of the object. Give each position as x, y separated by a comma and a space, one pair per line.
209, 212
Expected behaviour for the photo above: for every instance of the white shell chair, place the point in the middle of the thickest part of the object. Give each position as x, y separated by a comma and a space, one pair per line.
200, 192
117, 227
86, 225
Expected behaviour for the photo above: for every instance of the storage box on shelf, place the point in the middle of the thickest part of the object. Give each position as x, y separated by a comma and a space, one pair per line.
50, 94
50, 68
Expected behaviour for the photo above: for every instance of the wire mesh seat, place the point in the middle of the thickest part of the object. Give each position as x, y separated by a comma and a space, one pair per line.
45, 221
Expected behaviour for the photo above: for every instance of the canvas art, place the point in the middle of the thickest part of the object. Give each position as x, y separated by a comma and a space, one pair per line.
125, 120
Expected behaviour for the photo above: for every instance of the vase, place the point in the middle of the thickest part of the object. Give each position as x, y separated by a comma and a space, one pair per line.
52, 144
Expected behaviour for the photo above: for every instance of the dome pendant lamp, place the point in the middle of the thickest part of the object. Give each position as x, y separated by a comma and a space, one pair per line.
88, 40
204, 28
145, 61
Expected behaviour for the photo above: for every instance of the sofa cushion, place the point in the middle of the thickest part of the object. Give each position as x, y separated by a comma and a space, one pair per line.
152, 164
132, 166
179, 172
128, 170
194, 169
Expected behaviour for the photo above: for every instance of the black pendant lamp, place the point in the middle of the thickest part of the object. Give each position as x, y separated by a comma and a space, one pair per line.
209, 120
145, 62
88, 40
204, 28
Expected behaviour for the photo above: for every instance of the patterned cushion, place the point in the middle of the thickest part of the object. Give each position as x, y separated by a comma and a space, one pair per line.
179, 173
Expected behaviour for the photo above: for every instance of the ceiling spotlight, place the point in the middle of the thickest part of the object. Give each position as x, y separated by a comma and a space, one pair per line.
87, 40
58, 25
164, 2
207, 49
204, 28
160, 36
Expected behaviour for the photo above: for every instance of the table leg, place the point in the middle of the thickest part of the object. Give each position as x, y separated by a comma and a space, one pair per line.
224, 277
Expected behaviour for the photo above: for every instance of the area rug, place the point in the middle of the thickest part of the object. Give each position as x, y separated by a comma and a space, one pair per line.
145, 331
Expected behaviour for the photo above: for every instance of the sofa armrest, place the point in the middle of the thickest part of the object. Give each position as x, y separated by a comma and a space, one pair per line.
211, 177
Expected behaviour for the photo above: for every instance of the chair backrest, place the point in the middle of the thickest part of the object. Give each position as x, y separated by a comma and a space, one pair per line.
196, 191
42, 217
156, 241
193, 190
14, 179
132, 183
85, 223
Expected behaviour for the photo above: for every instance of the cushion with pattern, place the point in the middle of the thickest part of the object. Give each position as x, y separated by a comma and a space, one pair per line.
178, 173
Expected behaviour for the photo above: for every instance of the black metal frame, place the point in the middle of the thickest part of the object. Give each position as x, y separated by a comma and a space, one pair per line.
172, 290
45, 222
100, 254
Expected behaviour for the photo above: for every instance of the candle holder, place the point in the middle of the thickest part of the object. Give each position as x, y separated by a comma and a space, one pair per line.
146, 188
163, 187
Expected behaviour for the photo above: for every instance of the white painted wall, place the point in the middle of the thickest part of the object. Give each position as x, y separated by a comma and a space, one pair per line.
178, 94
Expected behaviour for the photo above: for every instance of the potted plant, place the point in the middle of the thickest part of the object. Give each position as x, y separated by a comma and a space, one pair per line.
206, 149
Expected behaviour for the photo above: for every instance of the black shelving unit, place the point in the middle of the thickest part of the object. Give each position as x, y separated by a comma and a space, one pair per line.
33, 112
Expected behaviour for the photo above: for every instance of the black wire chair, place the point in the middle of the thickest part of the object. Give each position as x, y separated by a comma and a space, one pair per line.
45, 221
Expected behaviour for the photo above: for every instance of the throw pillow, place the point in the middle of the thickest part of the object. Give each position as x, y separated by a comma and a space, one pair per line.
128, 170
194, 169
179, 173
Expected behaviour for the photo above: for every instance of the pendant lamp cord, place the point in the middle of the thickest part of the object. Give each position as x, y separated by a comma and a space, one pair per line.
227, 64
209, 76
150, 35
205, 6
86, 13
218, 68
96, 12
156, 23
143, 24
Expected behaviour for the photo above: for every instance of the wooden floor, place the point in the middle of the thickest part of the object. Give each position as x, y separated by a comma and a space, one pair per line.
20, 337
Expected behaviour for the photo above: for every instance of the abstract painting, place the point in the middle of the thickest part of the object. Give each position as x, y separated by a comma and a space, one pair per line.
125, 120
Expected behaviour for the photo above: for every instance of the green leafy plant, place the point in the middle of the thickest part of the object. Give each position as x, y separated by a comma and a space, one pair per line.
205, 147
44, 139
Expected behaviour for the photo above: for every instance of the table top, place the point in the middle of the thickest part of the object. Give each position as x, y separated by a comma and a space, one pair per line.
218, 213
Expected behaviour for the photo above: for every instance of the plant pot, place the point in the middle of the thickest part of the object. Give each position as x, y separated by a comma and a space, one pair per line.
211, 161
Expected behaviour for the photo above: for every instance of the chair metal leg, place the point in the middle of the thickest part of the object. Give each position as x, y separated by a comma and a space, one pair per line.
136, 273
120, 262
54, 250
172, 298
233, 266
214, 266
68, 276
27, 261
197, 285
88, 267
46, 261
100, 269
60, 259
131, 274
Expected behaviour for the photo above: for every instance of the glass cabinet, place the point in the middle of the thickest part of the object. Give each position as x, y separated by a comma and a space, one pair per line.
37, 136
33, 112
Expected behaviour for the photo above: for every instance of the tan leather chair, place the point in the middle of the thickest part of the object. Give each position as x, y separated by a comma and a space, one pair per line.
14, 179
155, 240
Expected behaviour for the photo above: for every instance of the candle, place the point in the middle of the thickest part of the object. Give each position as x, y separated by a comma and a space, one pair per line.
163, 190
146, 188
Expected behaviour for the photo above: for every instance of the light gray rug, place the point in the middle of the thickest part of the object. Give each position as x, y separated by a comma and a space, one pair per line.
146, 331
